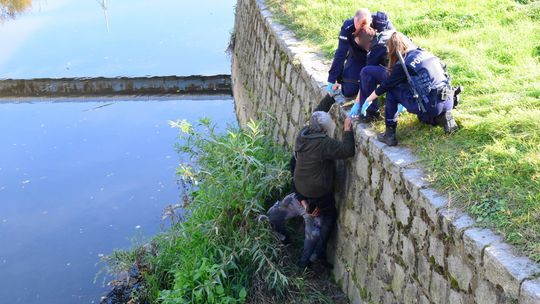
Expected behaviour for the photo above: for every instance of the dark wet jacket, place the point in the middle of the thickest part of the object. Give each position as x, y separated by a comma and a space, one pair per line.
315, 153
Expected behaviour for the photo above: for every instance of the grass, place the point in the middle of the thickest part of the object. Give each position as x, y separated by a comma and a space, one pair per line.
216, 251
492, 48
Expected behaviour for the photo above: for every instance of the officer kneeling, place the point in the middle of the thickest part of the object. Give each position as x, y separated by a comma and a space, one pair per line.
417, 81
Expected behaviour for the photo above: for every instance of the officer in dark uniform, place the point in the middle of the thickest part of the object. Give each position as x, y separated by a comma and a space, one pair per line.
428, 94
374, 73
350, 57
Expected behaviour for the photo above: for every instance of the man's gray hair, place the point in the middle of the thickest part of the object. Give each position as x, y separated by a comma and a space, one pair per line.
321, 121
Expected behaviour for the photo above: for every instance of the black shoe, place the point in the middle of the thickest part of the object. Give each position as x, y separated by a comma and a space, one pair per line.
446, 120
370, 117
325, 264
457, 90
388, 137
304, 264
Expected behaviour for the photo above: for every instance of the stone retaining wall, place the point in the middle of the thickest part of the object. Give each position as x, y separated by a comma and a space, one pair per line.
397, 240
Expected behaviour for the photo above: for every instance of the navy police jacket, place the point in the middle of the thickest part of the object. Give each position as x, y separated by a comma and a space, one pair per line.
350, 58
418, 62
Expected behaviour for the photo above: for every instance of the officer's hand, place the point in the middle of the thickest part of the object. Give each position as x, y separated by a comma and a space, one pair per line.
365, 106
347, 125
400, 109
336, 86
354, 110
329, 88
316, 212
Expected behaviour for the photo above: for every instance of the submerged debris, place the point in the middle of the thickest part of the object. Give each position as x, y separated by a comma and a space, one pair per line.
123, 291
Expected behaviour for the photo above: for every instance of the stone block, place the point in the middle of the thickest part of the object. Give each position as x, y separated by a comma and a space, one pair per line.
462, 222
506, 269
362, 234
353, 293
460, 271
530, 292
387, 195
382, 230
361, 270
436, 250
485, 293
295, 113
291, 134
419, 231
398, 281
432, 201
408, 253
376, 173
362, 166
399, 156
368, 209
414, 182
439, 288
349, 251
475, 240
410, 294
424, 272
377, 290
402, 210
457, 298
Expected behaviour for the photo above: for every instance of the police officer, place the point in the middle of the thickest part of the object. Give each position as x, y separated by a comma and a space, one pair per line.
374, 73
350, 57
422, 87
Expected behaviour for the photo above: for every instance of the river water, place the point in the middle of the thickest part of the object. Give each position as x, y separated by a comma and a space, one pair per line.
81, 177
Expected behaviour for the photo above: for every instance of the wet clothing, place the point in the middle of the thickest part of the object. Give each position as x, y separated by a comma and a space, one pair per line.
315, 152
290, 207
350, 58
431, 82
316, 229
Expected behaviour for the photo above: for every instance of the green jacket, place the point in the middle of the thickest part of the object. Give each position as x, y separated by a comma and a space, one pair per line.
315, 155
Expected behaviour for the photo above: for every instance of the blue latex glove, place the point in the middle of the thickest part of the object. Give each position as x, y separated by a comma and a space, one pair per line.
365, 106
329, 88
354, 110
400, 109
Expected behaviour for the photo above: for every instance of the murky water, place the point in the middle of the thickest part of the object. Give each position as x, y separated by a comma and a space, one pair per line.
78, 179
69, 38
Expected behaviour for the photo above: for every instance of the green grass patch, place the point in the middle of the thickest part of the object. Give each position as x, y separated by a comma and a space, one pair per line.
492, 165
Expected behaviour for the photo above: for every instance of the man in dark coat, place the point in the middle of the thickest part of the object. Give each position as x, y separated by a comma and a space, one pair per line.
315, 152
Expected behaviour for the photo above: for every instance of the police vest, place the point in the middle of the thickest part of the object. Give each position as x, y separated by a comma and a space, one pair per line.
426, 71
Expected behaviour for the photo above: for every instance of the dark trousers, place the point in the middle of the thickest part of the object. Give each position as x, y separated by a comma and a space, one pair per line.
370, 77
404, 96
315, 243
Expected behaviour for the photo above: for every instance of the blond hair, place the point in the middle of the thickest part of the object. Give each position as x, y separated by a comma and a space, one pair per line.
397, 43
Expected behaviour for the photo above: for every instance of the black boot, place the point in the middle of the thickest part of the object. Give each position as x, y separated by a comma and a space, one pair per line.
457, 90
446, 120
370, 117
389, 136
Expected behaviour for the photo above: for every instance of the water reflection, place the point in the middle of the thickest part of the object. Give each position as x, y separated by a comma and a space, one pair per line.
69, 38
78, 179
10, 8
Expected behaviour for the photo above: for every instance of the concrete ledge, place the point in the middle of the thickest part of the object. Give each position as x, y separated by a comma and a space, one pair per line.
48, 87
